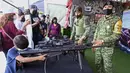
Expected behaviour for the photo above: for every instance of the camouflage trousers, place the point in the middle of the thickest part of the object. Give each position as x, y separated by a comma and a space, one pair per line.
103, 59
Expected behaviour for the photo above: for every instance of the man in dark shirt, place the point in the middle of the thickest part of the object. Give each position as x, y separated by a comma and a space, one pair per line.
13, 57
35, 24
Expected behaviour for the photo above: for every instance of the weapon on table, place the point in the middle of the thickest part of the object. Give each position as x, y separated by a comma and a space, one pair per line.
59, 50
73, 47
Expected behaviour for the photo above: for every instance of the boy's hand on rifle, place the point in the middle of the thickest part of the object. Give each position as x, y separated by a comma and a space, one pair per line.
42, 57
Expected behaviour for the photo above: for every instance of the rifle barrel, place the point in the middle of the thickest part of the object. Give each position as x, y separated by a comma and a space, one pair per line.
57, 49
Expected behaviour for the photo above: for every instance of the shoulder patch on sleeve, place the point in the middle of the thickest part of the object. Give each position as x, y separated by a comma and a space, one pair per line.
118, 27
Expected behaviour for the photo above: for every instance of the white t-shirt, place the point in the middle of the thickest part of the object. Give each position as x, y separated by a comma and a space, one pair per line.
29, 35
18, 24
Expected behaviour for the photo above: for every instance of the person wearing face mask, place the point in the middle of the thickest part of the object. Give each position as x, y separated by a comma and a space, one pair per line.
20, 19
107, 32
81, 27
47, 19
9, 31
35, 24
54, 29
43, 25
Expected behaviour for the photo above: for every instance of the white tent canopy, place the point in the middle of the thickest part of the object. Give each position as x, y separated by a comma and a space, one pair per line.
5, 8
121, 0
55, 8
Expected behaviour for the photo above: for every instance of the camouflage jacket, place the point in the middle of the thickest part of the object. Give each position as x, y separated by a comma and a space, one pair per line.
81, 28
108, 29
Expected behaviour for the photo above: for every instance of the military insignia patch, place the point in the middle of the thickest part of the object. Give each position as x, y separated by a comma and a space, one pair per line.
118, 27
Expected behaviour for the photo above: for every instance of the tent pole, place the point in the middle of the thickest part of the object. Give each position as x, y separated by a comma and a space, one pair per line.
11, 4
28, 4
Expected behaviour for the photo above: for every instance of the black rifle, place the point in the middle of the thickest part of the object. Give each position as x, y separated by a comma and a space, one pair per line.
72, 47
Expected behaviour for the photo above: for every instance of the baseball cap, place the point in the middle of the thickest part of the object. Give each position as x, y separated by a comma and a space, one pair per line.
20, 12
34, 7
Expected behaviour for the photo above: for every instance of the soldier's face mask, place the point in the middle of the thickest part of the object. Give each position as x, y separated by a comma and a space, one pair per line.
107, 11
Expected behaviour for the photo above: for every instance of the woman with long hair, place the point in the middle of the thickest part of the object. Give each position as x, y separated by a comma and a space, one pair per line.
54, 29
9, 31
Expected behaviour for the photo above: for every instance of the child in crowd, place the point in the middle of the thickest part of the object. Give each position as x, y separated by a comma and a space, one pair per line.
20, 43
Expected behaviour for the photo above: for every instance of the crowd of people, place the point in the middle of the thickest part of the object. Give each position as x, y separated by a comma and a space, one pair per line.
13, 28
13, 24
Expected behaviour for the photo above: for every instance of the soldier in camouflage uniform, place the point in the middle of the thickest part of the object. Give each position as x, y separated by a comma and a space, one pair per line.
107, 32
81, 27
